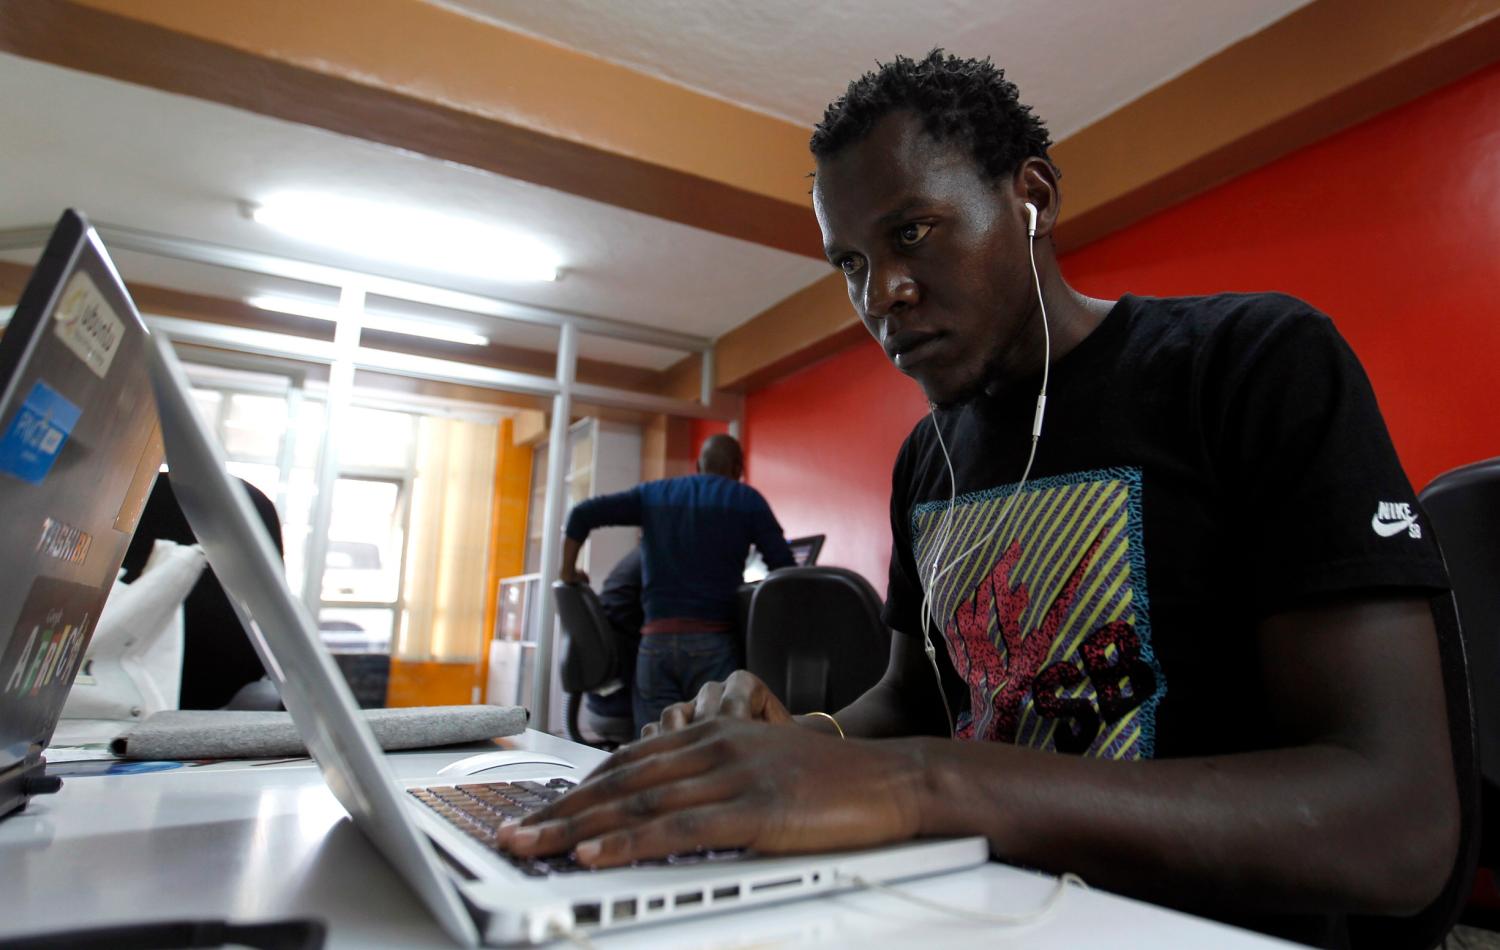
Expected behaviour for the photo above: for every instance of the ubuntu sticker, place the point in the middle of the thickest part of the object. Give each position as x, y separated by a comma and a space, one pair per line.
86, 324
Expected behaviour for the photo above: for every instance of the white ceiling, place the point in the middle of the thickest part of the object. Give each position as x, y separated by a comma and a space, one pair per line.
1074, 60
154, 161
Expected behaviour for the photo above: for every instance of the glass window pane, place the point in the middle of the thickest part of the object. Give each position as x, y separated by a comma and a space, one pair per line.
364, 542
264, 477
254, 426
376, 438
207, 401
309, 434
356, 630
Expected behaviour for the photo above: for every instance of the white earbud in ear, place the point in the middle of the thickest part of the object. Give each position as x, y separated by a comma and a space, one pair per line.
1031, 210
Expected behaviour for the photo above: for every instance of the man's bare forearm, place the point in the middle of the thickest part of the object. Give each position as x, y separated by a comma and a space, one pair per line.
1287, 830
885, 711
905, 702
568, 569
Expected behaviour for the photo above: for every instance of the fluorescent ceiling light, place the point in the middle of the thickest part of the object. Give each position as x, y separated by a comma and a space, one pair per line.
368, 320
409, 236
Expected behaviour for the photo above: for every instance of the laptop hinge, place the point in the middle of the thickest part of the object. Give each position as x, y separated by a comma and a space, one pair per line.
21, 782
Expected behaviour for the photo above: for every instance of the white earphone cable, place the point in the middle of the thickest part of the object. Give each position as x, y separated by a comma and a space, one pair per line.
1036, 426
945, 530
1042, 912
943, 535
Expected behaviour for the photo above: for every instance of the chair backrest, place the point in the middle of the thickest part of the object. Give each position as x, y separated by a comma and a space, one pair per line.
1463, 513
743, 598
589, 656
816, 638
1463, 506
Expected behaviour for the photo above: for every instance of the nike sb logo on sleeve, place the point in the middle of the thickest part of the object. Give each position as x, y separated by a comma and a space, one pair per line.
1391, 518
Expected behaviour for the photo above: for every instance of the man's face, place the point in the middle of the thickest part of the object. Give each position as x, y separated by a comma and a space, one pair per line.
934, 256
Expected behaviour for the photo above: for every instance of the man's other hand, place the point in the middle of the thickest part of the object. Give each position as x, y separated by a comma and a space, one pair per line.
742, 696
727, 783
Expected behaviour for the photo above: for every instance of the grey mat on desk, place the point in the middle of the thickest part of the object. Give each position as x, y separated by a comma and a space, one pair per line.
243, 734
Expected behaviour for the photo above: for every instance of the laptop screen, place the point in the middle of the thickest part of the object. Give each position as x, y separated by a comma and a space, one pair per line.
79, 451
804, 552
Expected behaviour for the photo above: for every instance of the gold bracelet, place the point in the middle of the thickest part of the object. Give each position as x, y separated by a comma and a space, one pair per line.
830, 718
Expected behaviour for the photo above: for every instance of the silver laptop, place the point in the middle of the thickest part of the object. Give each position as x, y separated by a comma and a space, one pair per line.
434, 832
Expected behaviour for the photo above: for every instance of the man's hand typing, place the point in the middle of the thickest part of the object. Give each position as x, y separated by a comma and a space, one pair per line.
728, 783
742, 696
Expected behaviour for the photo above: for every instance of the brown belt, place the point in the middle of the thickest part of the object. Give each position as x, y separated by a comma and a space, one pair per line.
685, 625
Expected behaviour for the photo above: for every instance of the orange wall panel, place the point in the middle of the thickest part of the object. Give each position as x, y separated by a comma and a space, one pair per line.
415, 683
508, 512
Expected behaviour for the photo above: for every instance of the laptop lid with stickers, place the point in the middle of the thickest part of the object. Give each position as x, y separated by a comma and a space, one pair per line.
80, 447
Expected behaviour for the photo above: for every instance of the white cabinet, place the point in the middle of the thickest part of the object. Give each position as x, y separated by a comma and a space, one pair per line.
513, 649
603, 457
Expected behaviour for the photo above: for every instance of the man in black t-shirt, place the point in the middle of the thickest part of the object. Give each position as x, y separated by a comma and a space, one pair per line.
1200, 574
1207, 463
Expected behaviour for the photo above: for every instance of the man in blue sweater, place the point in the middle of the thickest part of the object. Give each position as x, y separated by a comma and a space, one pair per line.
697, 531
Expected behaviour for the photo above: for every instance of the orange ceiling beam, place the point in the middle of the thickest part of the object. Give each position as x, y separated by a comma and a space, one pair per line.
418, 76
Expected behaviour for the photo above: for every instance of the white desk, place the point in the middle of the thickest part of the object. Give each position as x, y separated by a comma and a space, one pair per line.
267, 842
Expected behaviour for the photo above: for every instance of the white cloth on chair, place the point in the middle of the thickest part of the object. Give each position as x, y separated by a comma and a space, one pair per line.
133, 666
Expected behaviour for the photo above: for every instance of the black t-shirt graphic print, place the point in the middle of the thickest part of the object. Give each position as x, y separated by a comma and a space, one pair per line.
1047, 619
1206, 462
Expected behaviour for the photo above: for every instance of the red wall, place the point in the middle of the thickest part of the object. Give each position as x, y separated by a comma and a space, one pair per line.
1392, 227
820, 445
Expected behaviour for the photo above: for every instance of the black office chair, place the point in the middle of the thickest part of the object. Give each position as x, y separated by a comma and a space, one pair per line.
1463, 512
743, 598
368, 676
589, 655
1463, 506
816, 638
218, 658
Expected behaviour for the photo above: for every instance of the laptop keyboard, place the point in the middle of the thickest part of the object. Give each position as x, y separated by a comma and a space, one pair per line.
478, 810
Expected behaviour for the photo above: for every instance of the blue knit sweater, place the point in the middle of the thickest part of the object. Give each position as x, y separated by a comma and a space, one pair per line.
697, 533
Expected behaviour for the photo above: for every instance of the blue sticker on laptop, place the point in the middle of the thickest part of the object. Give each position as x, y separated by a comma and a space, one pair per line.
36, 435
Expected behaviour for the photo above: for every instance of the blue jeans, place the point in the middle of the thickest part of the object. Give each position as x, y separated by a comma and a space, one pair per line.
672, 667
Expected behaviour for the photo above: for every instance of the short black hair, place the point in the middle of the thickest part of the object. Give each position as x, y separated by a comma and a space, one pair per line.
965, 99
721, 455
